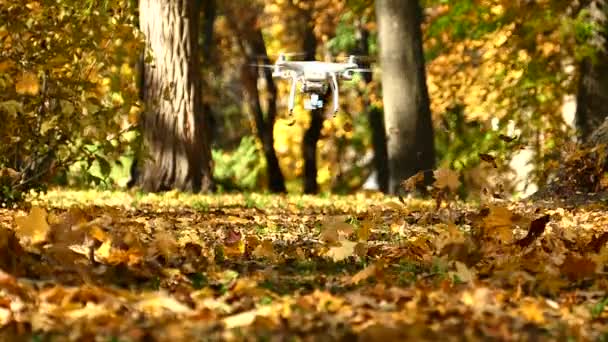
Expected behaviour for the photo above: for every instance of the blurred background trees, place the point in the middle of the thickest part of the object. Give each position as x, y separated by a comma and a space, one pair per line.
509, 84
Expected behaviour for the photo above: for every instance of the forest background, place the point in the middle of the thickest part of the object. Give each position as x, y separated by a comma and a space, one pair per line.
503, 79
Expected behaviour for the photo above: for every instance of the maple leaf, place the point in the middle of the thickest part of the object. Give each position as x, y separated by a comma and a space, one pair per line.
27, 83
33, 227
345, 249
446, 179
334, 227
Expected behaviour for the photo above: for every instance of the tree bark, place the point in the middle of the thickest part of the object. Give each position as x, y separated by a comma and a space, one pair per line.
254, 48
173, 122
592, 96
406, 101
313, 133
375, 117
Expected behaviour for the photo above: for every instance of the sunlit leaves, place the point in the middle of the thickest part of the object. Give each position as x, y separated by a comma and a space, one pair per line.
28, 84
55, 60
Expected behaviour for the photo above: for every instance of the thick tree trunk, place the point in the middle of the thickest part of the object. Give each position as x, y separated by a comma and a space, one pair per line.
254, 48
173, 123
592, 96
406, 102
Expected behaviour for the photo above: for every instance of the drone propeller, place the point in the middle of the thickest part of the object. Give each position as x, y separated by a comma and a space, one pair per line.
361, 70
359, 58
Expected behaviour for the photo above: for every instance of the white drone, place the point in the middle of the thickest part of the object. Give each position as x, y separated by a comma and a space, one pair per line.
314, 76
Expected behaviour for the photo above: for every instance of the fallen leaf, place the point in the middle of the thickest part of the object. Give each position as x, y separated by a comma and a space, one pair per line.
248, 317
597, 243
33, 227
463, 273
265, 250
158, 302
577, 268
345, 249
537, 227
446, 179
531, 311
27, 83
368, 272
365, 230
410, 184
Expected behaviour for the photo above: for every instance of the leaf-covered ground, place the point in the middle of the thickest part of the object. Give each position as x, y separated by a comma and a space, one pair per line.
92, 266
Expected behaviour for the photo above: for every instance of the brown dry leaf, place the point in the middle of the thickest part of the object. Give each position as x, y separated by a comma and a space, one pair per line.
32, 227
537, 227
265, 250
577, 268
410, 184
27, 83
165, 245
446, 178
368, 272
345, 249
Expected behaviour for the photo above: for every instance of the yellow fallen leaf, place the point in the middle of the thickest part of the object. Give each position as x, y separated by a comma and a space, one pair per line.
463, 273
343, 251
265, 250
365, 230
33, 227
27, 83
532, 312
158, 302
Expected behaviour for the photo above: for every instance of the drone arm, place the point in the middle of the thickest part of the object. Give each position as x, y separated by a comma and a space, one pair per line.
292, 94
335, 91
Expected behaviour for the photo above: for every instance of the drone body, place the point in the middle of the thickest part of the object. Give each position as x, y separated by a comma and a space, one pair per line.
314, 78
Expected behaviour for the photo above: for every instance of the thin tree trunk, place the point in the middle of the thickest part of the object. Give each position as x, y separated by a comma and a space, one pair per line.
592, 96
173, 123
209, 8
254, 48
313, 133
406, 102
375, 117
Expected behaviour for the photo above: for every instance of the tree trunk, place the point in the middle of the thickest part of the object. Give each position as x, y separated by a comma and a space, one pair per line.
375, 117
313, 133
254, 48
173, 123
592, 96
209, 8
406, 101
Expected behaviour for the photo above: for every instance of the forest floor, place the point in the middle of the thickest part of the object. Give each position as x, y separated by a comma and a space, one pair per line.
115, 266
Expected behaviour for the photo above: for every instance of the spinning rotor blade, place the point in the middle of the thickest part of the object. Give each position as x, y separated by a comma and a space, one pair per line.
360, 70
358, 58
